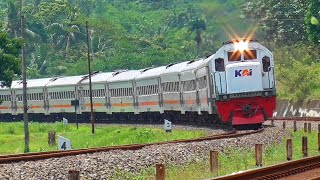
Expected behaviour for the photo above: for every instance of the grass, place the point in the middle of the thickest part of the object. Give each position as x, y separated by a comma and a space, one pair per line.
232, 160
12, 136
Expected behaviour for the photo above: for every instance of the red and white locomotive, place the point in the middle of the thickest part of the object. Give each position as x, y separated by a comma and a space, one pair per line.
235, 85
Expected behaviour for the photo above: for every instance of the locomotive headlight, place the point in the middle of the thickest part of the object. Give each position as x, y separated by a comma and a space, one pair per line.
241, 46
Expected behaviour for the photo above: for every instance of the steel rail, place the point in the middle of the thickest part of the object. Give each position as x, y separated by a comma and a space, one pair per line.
276, 171
55, 154
296, 119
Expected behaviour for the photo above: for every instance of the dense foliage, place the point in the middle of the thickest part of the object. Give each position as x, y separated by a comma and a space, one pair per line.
135, 34
313, 27
9, 58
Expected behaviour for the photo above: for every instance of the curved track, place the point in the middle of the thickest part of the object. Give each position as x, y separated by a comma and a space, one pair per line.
277, 171
56, 154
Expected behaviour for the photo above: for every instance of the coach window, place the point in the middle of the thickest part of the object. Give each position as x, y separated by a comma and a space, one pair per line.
219, 64
266, 63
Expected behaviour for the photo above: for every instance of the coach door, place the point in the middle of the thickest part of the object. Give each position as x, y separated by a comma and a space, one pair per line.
82, 102
14, 103
46, 101
219, 76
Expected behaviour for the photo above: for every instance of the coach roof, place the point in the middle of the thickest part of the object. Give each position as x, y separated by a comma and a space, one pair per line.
151, 73
124, 76
100, 77
31, 83
63, 81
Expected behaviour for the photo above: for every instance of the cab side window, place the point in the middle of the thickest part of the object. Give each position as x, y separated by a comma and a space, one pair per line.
266, 63
219, 64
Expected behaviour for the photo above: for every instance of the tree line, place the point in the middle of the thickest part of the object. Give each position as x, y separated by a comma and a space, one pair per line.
135, 34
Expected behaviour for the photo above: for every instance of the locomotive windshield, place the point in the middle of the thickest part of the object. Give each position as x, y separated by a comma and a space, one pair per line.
247, 55
234, 56
250, 54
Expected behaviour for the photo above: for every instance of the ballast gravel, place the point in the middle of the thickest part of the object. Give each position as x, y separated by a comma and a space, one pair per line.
105, 165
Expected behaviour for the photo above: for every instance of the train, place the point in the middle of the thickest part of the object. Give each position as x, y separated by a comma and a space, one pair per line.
236, 86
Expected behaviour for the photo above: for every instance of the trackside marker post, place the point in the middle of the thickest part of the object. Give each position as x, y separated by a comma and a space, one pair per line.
289, 149
305, 127
167, 126
284, 125
305, 146
214, 164
258, 152
295, 126
160, 172
73, 175
318, 141
309, 127
52, 138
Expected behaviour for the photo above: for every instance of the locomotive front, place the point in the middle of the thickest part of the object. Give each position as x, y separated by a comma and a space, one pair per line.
243, 75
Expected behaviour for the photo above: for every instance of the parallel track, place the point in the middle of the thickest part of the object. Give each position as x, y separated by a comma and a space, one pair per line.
277, 171
57, 154
296, 119
280, 170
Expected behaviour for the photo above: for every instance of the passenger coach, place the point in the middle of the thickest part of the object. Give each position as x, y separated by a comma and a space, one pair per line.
236, 85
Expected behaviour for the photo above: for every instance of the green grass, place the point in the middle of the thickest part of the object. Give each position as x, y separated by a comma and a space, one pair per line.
12, 136
232, 160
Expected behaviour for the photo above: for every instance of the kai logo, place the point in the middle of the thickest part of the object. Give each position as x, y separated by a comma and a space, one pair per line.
244, 72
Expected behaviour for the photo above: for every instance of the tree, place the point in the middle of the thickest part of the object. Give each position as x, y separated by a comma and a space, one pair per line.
63, 35
198, 26
312, 23
9, 58
282, 21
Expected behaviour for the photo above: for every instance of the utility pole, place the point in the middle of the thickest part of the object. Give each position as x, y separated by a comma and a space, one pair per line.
24, 82
90, 85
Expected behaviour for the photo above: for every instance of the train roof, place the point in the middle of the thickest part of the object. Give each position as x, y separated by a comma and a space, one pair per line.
174, 68
124, 76
195, 64
151, 73
100, 77
14, 83
31, 83
3, 87
63, 81
184, 66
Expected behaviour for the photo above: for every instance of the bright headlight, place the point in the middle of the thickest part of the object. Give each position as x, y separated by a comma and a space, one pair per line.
241, 46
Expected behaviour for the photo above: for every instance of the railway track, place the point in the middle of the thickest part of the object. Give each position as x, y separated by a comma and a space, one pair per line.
283, 170
296, 119
57, 154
